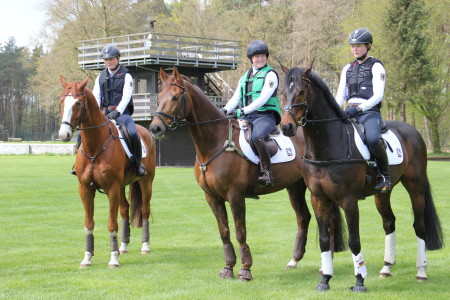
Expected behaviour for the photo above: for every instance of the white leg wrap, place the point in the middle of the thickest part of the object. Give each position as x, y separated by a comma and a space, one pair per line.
292, 264
145, 248
114, 262
87, 231
327, 263
123, 248
86, 260
390, 248
421, 260
360, 265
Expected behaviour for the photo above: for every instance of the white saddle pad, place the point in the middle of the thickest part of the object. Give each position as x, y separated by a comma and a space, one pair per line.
395, 156
286, 153
125, 147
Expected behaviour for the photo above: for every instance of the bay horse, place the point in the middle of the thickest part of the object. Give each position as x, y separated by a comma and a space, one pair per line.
225, 175
335, 172
101, 163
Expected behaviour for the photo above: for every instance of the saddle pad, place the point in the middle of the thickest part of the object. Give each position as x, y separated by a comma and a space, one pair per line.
125, 146
395, 156
286, 153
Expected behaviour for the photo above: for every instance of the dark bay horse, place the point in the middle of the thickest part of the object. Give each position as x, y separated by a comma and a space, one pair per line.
335, 172
225, 175
102, 163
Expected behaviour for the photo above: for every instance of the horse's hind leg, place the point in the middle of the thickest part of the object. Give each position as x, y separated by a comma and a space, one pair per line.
383, 204
298, 202
87, 196
220, 212
116, 195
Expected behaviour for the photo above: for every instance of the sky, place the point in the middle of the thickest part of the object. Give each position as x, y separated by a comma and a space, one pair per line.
22, 19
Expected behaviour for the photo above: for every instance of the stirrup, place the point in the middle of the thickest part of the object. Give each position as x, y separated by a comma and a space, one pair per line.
383, 186
265, 179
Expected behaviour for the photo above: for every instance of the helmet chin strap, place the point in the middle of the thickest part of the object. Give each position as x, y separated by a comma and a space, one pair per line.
362, 57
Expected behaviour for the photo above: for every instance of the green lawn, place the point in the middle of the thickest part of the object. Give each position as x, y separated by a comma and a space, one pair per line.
42, 243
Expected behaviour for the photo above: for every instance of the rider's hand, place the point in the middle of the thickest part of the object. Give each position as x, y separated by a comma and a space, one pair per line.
352, 111
113, 115
224, 111
239, 112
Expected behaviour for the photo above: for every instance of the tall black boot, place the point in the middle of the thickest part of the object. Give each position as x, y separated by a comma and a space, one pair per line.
137, 153
384, 179
264, 156
77, 146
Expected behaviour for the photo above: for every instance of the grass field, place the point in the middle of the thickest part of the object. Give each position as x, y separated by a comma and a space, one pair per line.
42, 243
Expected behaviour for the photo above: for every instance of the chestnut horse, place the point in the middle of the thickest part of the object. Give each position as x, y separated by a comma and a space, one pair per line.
225, 175
101, 163
335, 172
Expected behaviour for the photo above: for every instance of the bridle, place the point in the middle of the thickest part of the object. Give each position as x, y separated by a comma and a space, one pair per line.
303, 105
178, 119
83, 115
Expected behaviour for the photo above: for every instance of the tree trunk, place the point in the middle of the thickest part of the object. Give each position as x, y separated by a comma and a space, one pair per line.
434, 132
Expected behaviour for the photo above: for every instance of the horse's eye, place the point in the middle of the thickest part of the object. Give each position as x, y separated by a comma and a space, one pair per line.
77, 104
301, 93
175, 98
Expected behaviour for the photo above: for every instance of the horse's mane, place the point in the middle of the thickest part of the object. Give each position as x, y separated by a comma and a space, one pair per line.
296, 74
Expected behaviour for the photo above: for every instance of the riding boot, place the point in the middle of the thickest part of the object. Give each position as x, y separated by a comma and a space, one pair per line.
77, 146
266, 172
384, 179
137, 153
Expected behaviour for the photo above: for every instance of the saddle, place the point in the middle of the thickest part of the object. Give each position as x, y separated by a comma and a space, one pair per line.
361, 131
272, 144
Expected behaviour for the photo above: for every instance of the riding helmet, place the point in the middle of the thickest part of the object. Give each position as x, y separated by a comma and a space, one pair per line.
257, 47
110, 51
360, 36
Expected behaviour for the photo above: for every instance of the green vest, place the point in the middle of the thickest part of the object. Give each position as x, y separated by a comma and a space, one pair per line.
257, 84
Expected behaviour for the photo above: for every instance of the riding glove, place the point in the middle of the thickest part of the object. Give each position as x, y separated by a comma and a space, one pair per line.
113, 115
224, 111
239, 113
352, 111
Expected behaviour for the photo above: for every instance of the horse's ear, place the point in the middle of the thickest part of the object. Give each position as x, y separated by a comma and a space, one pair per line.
84, 83
176, 74
309, 69
283, 67
163, 74
63, 81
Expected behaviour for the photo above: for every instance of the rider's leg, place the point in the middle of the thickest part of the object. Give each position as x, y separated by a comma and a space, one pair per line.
76, 150
128, 122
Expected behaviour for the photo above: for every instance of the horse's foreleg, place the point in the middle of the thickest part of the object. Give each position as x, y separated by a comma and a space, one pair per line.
350, 206
298, 203
87, 197
237, 205
146, 194
124, 208
322, 211
382, 202
220, 212
115, 195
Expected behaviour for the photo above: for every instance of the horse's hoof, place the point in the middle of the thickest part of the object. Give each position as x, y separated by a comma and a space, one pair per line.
112, 266
123, 251
145, 251
358, 289
226, 273
322, 287
82, 266
291, 264
383, 275
421, 279
245, 275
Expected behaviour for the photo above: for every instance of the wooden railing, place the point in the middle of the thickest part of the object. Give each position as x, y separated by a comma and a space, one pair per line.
153, 48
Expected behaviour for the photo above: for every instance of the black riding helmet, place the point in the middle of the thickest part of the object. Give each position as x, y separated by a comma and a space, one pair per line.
110, 51
257, 47
360, 36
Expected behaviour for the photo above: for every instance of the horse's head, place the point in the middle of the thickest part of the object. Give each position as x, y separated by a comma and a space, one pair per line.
73, 107
172, 108
298, 94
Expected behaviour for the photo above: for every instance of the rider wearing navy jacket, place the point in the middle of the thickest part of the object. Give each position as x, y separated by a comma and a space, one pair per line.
362, 86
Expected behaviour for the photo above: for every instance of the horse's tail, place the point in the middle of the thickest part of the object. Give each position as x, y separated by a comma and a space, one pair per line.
340, 236
135, 196
434, 236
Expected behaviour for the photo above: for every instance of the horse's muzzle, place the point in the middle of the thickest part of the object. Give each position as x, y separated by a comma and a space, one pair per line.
157, 131
65, 133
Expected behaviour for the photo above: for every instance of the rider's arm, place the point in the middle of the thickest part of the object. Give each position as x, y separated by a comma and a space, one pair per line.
270, 85
234, 101
126, 95
341, 93
96, 90
378, 82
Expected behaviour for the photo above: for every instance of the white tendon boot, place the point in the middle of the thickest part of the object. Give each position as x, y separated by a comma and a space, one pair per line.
359, 265
145, 248
123, 248
389, 255
421, 261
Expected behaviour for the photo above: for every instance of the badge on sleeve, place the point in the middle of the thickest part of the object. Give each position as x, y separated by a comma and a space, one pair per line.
382, 76
271, 83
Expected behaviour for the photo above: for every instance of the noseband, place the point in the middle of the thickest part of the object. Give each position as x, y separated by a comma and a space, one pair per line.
304, 104
177, 119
